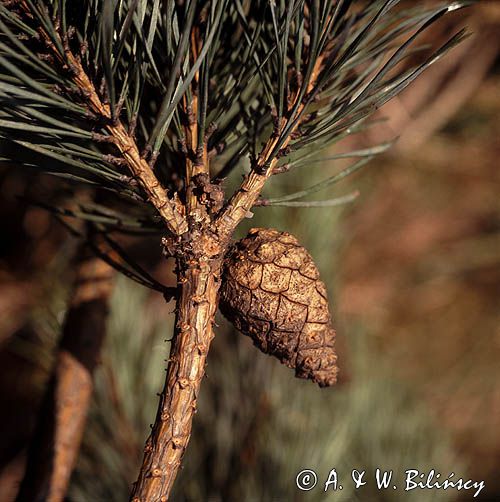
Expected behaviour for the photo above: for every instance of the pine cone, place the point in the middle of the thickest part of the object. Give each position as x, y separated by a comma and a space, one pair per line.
271, 291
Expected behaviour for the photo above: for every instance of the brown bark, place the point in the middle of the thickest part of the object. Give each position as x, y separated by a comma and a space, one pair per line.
58, 433
196, 306
171, 210
197, 302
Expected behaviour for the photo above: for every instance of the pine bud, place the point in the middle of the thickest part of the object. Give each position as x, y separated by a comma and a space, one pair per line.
271, 291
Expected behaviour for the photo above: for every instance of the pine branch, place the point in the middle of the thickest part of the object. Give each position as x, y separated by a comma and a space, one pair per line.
246, 196
155, 102
171, 210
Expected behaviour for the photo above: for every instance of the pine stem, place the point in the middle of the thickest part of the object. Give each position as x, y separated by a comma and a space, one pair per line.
196, 306
61, 421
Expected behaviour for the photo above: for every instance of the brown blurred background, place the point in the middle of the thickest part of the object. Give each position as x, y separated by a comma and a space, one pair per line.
414, 271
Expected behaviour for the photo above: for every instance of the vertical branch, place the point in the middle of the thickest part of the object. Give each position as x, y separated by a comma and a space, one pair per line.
199, 272
199, 266
196, 156
56, 440
196, 306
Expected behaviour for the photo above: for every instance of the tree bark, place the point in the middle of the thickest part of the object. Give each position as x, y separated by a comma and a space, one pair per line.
199, 272
196, 306
62, 416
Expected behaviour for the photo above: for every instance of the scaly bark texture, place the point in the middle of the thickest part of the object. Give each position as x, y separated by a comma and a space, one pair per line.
272, 292
172, 428
58, 433
196, 305
171, 210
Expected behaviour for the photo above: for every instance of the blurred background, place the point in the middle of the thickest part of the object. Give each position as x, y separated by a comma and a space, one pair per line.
413, 271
